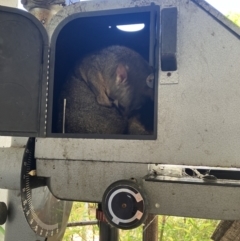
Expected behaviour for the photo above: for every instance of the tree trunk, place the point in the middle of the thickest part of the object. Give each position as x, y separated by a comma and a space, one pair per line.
150, 229
227, 231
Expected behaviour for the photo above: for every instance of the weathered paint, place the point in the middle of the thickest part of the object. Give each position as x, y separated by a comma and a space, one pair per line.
87, 181
9, 3
198, 124
198, 115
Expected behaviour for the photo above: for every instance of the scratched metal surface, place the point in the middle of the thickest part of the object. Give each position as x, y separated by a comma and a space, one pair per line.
87, 181
102, 5
198, 115
11, 164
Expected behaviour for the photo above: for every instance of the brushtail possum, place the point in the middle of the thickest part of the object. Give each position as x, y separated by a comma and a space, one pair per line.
84, 115
117, 75
109, 93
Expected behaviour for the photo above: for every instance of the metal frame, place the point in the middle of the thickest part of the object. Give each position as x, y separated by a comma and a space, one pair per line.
72, 165
43, 75
153, 58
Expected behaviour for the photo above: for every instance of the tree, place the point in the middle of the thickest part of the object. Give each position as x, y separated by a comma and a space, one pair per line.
235, 17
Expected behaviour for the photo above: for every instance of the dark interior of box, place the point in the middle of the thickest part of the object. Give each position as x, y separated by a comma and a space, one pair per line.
87, 34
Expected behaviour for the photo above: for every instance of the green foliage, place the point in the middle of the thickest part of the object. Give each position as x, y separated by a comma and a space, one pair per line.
131, 235
1, 230
235, 17
170, 228
82, 212
186, 229
2, 233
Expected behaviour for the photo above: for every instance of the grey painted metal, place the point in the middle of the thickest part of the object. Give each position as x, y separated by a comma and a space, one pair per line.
11, 162
198, 118
22, 92
9, 3
17, 227
5, 141
19, 141
218, 16
194, 201
87, 181
99, 5
198, 124
66, 176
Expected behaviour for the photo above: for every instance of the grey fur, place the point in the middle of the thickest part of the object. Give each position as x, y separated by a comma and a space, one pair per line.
85, 115
114, 76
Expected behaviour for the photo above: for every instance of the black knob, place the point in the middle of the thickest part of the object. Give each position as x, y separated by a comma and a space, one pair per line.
124, 204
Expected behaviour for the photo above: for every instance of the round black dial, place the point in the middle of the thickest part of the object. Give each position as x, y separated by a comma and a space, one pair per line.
43, 211
124, 204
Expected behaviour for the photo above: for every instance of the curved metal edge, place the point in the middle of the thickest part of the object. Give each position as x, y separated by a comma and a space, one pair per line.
53, 40
31, 18
74, 16
10, 167
45, 46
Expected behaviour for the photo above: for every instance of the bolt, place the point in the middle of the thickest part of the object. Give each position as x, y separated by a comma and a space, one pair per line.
124, 205
157, 205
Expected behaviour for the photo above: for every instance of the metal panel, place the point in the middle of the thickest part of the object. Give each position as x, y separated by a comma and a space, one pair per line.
17, 227
9, 3
10, 167
222, 19
198, 125
87, 181
198, 118
23, 62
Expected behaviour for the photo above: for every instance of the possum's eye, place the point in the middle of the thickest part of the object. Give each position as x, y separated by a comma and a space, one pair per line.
150, 81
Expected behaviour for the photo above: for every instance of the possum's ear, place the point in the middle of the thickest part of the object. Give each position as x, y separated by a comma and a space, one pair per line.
121, 74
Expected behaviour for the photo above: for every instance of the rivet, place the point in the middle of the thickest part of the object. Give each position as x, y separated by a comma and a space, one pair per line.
157, 205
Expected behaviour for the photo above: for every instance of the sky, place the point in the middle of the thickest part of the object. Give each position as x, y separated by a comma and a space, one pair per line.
224, 6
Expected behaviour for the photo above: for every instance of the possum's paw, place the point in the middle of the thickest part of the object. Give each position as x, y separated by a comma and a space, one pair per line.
136, 128
104, 100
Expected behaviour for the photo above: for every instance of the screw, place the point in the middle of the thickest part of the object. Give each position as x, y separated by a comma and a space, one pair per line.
124, 205
157, 205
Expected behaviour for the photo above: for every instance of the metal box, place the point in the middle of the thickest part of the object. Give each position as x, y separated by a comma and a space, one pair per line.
197, 118
197, 98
